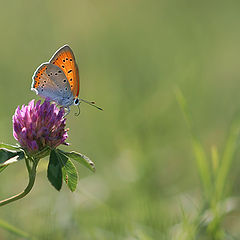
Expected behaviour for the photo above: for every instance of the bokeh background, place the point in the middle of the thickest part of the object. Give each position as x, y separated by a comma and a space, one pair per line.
132, 56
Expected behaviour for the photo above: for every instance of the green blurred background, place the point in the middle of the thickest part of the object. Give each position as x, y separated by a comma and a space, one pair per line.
131, 55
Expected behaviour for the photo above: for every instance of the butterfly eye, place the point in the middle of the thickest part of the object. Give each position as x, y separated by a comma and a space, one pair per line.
76, 101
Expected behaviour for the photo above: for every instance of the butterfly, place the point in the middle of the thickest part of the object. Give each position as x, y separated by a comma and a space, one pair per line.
58, 80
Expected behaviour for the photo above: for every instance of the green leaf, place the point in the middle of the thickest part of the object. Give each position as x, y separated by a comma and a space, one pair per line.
9, 147
82, 159
54, 172
7, 157
70, 175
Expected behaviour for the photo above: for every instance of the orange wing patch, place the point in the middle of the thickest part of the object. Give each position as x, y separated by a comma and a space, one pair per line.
65, 59
37, 75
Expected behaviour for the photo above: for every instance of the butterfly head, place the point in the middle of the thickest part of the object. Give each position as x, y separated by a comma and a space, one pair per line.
76, 101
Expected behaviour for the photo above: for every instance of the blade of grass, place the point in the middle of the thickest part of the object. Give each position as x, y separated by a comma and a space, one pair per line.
227, 159
10, 228
215, 160
203, 166
198, 150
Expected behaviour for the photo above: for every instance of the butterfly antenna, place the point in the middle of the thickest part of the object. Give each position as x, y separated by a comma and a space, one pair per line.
78, 113
91, 103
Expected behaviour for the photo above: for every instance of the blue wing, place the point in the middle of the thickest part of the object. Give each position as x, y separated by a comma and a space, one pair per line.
49, 81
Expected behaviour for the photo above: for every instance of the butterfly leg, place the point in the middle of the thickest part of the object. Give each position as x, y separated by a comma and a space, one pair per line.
67, 111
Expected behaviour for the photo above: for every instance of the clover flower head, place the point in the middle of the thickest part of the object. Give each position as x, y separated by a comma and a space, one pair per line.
37, 126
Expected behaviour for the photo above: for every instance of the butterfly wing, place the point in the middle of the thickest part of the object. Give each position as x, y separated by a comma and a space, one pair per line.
64, 58
49, 81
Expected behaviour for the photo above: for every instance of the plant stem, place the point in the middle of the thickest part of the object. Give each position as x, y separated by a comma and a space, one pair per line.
32, 176
27, 164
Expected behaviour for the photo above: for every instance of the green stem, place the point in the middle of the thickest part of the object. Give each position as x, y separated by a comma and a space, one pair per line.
32, 176
27, 164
